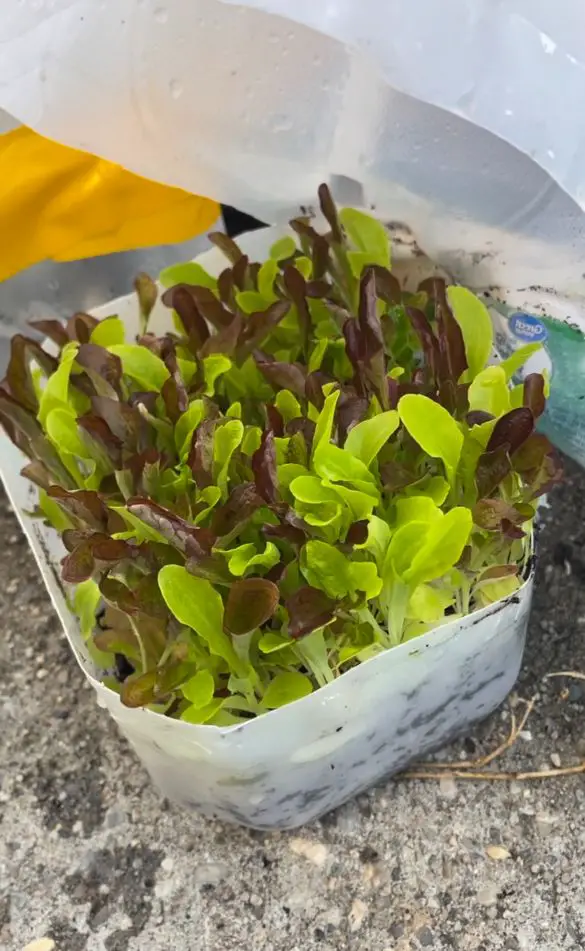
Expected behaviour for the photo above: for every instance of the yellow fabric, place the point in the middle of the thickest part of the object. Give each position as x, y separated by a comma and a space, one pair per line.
58, 203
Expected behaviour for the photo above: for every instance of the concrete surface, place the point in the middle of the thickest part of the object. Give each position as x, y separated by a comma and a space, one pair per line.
90, 858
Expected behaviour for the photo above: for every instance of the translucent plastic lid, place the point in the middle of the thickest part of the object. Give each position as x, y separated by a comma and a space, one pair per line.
460, 120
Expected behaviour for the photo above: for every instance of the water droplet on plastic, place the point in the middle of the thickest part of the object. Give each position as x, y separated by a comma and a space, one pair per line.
161, 14
273, 37
291, 35
281, 123
317, 60
37, 4
175, 89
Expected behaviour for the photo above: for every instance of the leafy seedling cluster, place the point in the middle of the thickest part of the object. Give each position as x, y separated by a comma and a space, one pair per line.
312, 467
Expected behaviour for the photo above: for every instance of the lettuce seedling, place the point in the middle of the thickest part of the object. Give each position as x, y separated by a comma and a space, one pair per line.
312, 466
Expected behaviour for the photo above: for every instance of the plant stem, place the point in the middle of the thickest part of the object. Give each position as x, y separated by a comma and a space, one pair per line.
380, 635
137, 634
397, 611
313, 653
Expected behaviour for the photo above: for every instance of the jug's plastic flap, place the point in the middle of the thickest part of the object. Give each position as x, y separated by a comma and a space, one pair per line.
458, 118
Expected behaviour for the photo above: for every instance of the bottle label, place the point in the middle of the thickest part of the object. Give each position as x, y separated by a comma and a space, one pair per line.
563, 356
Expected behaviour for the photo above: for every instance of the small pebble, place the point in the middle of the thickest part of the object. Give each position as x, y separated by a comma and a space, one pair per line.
545, 823
488, 896
357, 914
497, 852
211, 873
114, 817
373, 874
315, 852
165, 889
448, 787
425, 937
525, 941
555, 760
101, 917
43, 944
167, 864
331, 918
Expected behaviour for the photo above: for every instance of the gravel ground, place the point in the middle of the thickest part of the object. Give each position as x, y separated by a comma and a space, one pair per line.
91, 858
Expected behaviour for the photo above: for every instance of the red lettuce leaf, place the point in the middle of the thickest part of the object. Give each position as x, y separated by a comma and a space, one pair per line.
200, 459
19, 374
534, 397
282, 376
308, 609
329, 212
191, 540
231, 517
264, 468
250, 603
492, 468
512, 430
182, 301
81, 326
85, 506
53, 329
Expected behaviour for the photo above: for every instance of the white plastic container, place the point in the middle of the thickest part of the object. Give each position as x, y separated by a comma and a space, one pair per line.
293, 764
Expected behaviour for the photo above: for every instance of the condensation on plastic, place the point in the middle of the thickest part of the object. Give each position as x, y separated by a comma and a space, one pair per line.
59, 290
291, 765
458, 119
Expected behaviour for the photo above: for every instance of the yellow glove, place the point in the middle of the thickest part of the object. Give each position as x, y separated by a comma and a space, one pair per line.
58, 203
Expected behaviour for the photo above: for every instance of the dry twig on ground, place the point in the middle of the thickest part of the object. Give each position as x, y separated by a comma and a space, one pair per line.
475, 769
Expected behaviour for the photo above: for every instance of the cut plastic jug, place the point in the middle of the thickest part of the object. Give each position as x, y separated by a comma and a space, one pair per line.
291, 765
